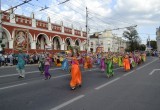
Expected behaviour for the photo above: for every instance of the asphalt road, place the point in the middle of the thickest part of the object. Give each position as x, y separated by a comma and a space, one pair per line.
138, 89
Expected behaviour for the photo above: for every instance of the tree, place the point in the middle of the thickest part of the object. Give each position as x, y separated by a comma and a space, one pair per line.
153, 44
142, 47
131, 35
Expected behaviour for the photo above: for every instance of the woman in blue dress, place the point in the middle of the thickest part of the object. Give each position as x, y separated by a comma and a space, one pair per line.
21, 64
65, 64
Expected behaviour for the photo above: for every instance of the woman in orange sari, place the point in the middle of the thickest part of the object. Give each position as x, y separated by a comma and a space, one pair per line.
76, 77
88, 62
126, 63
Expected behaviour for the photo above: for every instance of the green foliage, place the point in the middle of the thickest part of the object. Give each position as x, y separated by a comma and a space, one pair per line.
0, 41
133, 39
153, 44
142, 47
2, 45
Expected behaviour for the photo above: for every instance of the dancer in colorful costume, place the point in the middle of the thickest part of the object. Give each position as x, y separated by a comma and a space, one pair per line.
65, 64
102, 64
120, 60
21, 64
41, 65
143, 57
126, 63
87, 62
109, 66
76, 77
46, 68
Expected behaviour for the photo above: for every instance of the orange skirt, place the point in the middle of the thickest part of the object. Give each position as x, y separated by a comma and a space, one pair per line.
76, 78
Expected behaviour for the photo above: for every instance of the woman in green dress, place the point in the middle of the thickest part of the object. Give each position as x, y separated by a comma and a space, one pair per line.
109, 64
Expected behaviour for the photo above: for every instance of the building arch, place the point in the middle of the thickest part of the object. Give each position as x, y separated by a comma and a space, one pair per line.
6, 37
31, 46
30, 37
7, 33
68, 42
78, 42
41, 41
56, 42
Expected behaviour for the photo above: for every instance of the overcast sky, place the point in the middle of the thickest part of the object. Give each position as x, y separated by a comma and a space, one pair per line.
103, 14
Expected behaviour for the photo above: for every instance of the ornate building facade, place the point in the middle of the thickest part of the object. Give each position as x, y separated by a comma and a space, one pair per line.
107, 41
43, 35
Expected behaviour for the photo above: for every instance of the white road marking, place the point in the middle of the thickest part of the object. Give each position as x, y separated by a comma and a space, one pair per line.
12, 86
140, 67
60, 76
128, 73
99, 87
154, 70
81, 71
68, 102
9, 75
43, 79
146, 64
25, 73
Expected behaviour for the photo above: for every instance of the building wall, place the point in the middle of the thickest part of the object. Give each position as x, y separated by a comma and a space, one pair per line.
108, 41
49, 30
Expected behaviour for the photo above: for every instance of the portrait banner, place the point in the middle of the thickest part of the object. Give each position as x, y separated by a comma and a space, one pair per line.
21, 39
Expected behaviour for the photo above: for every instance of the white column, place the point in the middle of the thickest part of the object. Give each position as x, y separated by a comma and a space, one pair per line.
12, 16
10, 44
62, 46
62, 30
81, 32
72, 29
33, 20
33, 45
49, 24
81, 47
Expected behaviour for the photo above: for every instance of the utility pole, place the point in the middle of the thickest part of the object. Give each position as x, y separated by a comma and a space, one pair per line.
149, 41
1, 12
87, 30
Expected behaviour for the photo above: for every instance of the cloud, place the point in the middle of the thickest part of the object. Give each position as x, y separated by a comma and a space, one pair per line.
139, 11
103, 14
5, 7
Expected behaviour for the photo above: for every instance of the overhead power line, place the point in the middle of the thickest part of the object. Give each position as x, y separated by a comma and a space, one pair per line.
116, 29
24, 2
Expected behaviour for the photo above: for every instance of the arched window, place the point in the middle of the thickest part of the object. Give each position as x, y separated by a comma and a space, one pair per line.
56, 43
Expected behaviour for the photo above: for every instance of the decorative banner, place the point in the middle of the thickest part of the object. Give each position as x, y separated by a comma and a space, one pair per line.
21, 39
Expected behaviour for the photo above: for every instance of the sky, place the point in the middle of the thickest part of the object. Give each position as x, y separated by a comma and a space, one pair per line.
102, 14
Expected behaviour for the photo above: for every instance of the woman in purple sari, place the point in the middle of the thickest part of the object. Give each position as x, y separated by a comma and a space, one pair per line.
46, 68
102, 64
